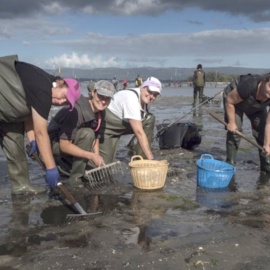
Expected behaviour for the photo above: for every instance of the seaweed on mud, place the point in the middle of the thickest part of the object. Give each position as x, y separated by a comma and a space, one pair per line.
169, 198
186, 205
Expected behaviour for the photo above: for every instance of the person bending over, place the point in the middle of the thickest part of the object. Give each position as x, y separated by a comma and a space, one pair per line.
127, 114
249, 95
26, 96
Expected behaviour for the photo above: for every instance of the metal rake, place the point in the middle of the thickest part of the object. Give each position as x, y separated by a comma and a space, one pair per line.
83, 215
102, 176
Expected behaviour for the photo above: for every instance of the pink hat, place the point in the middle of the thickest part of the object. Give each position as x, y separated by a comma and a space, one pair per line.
73, 92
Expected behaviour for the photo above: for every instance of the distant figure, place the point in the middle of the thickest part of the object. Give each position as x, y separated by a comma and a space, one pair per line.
125, 84
198, 84
138, 81
115, 83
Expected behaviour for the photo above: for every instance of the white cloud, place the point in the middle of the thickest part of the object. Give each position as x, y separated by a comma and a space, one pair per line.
83, 61
215, 43
25, 43
54, 8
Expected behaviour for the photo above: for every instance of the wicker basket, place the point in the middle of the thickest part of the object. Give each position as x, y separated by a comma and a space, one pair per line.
148, 174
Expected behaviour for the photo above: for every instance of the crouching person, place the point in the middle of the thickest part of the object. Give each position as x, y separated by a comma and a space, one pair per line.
74, 135
127, 114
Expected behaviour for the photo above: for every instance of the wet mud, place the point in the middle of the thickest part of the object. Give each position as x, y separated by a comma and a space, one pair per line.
181, 226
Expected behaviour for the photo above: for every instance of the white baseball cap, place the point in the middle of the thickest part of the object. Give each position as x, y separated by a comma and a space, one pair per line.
153, 84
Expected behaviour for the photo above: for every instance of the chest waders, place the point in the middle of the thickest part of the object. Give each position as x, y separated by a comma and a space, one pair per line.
199, 86
256, 113
13, 111
72, 166
112, 128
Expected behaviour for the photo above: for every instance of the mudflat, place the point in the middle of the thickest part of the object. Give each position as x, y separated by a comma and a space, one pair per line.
181, 226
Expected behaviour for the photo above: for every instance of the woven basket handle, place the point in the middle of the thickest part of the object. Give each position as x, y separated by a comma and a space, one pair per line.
136, 156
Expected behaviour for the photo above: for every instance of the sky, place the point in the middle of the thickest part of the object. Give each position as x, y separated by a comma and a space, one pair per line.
136, 33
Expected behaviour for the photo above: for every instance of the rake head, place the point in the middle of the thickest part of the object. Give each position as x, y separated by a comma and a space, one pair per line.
102, 176
70, 218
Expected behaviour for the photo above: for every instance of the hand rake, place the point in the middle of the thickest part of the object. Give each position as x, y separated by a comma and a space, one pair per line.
70, 217
102, 176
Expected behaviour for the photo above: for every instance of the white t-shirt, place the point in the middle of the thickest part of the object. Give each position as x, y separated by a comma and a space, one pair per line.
126, 105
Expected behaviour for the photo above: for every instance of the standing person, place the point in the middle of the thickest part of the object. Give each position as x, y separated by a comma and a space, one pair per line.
125, 83
115, 83
26, 95
249, 95
74, 134
127, 114
198, 84
138, 81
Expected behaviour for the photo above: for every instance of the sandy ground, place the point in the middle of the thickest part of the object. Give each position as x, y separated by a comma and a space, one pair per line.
181, 226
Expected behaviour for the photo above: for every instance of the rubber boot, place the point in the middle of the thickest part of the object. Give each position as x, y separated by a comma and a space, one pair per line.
20, 183
194, 98
75, 182
231, 155
200, 95
264, 163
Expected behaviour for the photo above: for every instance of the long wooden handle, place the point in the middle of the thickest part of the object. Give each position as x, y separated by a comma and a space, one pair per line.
36, 157
59, 184
237, 132
67, 194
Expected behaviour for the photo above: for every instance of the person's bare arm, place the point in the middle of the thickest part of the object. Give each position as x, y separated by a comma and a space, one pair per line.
43, 140
232, 99
71, 149
96, 146
137, 128
266, 145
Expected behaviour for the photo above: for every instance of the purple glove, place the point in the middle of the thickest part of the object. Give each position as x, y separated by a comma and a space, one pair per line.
34, 148
52, 177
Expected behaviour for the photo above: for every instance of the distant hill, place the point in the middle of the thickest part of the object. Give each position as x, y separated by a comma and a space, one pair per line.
164, 74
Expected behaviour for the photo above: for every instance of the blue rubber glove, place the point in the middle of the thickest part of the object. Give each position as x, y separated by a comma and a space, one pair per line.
34, 148
52, 176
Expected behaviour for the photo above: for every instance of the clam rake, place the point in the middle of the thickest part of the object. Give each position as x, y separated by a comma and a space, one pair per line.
83, 215
102, 176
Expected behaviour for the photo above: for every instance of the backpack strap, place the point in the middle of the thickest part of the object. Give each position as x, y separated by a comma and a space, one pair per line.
146, 107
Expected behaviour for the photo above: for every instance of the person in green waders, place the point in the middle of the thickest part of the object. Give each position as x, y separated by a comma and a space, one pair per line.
198, 84
249, 95
128, 114
26, 96
75, 135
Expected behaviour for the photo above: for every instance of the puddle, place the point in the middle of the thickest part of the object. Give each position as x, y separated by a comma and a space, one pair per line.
213, 197
55, 215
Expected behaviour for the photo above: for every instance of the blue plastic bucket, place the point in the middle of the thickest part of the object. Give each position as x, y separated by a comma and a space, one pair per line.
213, 173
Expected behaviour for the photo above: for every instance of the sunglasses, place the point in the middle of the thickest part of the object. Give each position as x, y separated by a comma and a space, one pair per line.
152, 93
